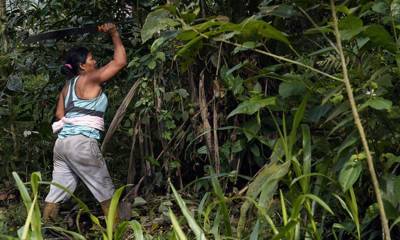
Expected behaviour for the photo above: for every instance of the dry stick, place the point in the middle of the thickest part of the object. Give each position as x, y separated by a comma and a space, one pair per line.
215, 115
371, 168
119, 115
132, 161
204, 116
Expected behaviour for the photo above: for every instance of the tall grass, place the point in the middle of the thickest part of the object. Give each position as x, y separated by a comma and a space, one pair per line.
33, 226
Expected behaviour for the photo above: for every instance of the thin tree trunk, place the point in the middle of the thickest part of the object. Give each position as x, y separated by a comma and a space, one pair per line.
141, 152
3, 22
2, 9
215, 133
203, 8
192, 86
216, 91
357, 120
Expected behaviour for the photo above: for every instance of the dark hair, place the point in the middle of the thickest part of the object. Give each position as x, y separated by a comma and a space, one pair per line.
73, 58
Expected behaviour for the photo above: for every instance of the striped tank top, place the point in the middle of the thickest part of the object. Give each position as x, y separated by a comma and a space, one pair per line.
77, 107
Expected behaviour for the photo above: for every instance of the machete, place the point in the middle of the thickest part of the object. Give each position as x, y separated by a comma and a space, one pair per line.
57, 34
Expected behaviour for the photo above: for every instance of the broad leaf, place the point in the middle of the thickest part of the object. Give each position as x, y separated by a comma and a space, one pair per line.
378, 103
350, 26
395, 10
155, 22
380, 37
251, 29
287, 89
252, 105
281, 10
251, 128
351, 171
380, 7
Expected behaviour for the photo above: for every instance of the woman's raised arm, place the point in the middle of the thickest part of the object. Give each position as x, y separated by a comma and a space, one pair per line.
119, 61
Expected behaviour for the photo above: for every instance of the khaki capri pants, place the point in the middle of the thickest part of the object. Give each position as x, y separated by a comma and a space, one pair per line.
79, 157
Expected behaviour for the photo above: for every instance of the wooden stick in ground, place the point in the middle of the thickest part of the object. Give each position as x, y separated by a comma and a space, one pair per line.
119, 115
204, 116
371, 168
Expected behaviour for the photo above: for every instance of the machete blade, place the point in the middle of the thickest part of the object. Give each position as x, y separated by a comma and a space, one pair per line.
57, 34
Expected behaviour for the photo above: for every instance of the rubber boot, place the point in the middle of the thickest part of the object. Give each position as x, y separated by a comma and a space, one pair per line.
50, 211
105, 206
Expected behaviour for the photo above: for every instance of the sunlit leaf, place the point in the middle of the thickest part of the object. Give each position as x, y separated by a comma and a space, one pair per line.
252, 105
378, 103
351, 171
157, 21
350, 26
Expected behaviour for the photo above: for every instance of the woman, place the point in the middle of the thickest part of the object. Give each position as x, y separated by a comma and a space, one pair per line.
80, 110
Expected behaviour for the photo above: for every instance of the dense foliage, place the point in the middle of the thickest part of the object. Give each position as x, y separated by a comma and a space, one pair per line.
241, 105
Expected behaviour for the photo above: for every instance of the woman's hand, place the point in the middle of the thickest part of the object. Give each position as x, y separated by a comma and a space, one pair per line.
108, 28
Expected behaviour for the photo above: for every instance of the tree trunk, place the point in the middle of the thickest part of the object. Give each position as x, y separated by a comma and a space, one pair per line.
2, 9
3, 22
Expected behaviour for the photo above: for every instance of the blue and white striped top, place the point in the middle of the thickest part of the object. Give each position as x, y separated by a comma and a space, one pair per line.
74, 107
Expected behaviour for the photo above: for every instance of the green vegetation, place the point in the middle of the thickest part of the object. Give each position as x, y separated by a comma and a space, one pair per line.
259, 119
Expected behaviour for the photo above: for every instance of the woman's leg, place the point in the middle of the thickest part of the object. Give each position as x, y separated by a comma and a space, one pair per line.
88, 164
62, 175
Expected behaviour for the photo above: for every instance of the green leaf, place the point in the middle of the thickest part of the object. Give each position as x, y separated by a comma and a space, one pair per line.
35, 82
306, 156
252, 105
251, 29
380, 37
350, 26
380, 7
351, 171
281, 10
175, 224
244, 47
293, 88
152, 64
160, 56
395, 10
137, 229
256, 231
223, 206
378, 103
74, 235
265, 184
251, 129
198, 232
186, 35
320, 202
202, 150
22, 190
120, 230
113, 208
191, 48
156, 21
298, 117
